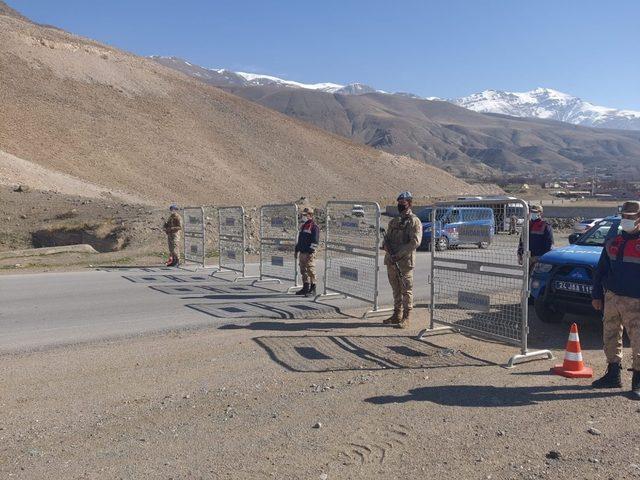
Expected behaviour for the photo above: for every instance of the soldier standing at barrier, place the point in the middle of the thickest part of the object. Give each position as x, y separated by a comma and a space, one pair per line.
308, 241
617, 284
173, 227
404, 235
540, 238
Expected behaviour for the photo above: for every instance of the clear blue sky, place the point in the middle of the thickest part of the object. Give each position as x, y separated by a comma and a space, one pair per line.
448, 48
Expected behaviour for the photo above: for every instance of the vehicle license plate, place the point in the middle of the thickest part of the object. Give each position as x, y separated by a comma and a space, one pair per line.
573, 287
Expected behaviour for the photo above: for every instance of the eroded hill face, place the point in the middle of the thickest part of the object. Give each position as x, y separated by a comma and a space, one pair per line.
123, 122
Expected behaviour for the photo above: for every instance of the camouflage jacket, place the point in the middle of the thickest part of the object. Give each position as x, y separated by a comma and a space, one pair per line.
174, 224
403, 237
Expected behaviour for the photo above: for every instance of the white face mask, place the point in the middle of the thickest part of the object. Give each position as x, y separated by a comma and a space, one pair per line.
304, 218
628, 225
535, 216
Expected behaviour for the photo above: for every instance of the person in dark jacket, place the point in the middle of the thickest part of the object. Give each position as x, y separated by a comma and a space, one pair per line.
540, 238
308, 241
616, 292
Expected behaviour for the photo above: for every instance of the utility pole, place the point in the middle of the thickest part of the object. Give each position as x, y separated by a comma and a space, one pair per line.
593, 182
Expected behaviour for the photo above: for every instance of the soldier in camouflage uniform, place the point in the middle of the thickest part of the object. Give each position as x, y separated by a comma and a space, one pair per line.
173, 227
404, 235
616, 292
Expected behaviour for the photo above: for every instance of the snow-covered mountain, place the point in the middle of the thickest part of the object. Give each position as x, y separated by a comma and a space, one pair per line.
225, 78
539, 103
550, 104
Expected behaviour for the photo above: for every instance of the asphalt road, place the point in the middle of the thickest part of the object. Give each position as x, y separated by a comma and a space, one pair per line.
46, 309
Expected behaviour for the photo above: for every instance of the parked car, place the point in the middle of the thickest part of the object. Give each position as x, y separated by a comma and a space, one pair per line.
562, 280
458, 226
582, 226
502, 212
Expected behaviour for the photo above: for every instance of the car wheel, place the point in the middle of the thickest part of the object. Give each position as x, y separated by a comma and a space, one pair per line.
442, 244
545, 313
483, 245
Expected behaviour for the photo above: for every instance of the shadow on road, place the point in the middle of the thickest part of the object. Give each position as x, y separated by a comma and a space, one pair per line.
284, 310
489, 396
300, 326
339, 353
134, 268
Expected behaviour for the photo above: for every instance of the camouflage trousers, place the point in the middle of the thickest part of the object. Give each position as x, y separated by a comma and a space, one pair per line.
401, 285
172, 241
621, 313
307, 262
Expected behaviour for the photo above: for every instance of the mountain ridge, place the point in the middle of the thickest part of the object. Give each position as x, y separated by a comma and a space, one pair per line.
459, 140
551, 104
545, 103
464, 142
222, 77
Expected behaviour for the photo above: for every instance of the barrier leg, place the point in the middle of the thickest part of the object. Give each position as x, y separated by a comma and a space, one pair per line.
524, 356
376, 310
423, 333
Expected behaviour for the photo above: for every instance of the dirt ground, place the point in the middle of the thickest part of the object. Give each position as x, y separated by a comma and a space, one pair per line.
257, 400
24, 213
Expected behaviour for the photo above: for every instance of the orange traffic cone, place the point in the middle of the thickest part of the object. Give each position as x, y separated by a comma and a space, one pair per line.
573, 366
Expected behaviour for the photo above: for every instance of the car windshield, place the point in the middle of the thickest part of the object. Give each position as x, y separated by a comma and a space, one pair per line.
516, 210
599, 233
425, 215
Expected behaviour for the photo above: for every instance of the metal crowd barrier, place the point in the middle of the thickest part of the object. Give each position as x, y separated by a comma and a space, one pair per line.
194, 235
352, 249
278, 237
232, 244
477, 284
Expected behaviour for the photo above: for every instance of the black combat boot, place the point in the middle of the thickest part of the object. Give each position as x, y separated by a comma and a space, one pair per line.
304, 290
394, 318
406, 319
635, 385
312, 291
611, 379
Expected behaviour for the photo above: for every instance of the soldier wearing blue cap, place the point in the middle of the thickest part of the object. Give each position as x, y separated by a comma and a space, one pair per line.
404, 235
173, 227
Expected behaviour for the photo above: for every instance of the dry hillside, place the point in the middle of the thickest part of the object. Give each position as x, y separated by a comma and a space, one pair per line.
117, 121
